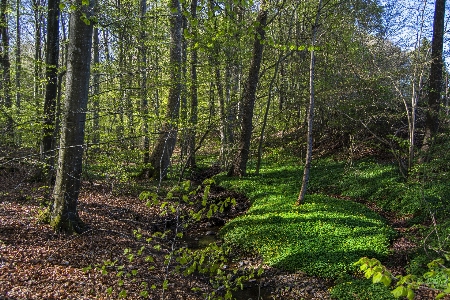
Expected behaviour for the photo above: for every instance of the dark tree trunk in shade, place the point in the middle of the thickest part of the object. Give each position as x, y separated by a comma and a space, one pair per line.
64, 215
6, 70
162, 152
239, 167
435, 79
191, 162
51, 88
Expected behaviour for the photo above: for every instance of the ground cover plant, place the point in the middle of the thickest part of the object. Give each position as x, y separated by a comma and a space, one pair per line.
323, 237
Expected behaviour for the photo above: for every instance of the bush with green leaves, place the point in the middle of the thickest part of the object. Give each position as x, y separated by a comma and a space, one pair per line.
437, 277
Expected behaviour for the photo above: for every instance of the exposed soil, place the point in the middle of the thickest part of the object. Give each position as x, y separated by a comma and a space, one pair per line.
36, 263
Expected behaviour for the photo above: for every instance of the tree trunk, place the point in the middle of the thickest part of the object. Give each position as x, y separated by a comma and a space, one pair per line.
144, 102
435, 79
162, 152
64, 214
190, 138
96, 89
37, 7
309, 138
239, 167
6, 68
18, 55
51, 88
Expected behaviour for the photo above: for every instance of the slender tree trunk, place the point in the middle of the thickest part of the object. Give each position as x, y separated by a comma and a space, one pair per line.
96, 89
191, 162
160, 158
37, 50
435, 79
51, 88
309, 139
6, 69
239, 167
144, 102
18, 55
64, 215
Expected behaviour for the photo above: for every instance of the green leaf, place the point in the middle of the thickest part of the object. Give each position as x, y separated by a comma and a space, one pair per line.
377, 277
62, 6
143, 294
410, 294
85, 2
440, 296
400, 291
123, 294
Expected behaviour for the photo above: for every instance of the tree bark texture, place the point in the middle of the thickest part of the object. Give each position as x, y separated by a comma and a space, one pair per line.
435, 79
64, 214
239, 167
162, 152
51, 88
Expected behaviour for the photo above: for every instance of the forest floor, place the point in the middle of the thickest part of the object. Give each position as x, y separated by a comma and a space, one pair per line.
37, 263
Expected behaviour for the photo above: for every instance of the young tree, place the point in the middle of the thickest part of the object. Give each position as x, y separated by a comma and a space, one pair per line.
309, 139
239, 167
64, 215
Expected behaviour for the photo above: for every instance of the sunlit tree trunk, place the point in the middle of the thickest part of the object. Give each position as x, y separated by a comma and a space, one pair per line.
239, 167
309, 139
64, 215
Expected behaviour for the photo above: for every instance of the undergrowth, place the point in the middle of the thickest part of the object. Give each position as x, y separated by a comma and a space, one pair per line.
322, 237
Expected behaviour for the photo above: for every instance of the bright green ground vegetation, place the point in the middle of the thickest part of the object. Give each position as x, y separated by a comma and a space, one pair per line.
325, 235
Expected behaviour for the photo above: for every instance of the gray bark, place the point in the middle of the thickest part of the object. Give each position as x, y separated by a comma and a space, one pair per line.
64, 215
309, 139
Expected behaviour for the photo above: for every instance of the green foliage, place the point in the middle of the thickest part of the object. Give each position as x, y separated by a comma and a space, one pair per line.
360, 290
436, 278
323, 237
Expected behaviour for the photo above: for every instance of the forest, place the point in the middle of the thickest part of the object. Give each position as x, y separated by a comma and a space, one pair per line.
224, 149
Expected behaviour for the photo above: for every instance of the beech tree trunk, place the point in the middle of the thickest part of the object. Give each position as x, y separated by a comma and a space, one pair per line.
51, 88
435, 79
64, 215
162, 152
239, 167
